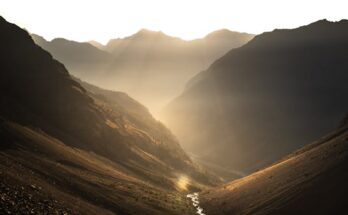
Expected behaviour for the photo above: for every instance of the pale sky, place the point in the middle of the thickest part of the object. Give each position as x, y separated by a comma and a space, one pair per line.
102, 20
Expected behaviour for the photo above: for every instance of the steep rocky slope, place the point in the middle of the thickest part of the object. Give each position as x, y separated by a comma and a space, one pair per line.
62, 146
265, 99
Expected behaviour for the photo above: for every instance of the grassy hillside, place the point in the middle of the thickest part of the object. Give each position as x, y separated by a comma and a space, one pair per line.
312, 180
42, 174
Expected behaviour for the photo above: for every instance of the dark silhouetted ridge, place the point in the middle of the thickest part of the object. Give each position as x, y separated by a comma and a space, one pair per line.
267, 98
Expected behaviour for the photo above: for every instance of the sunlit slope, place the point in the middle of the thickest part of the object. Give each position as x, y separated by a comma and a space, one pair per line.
261, 101
312, 180
79, 144
133, 119
45, 175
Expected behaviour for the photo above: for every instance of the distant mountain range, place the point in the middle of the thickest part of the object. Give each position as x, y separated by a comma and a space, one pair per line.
82, 58
150, 66
69, 147
265, 99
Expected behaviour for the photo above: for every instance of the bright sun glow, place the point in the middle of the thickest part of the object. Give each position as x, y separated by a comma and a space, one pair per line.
104, 19
182, 183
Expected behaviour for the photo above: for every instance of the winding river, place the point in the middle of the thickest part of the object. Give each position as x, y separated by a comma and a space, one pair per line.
195, 203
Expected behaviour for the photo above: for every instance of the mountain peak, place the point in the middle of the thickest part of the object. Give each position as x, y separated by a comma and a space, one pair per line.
300, 73
148, 33
226, 33
322, 30
38, 39
96, 44
61, 40
325, 22
219, 32
2, 19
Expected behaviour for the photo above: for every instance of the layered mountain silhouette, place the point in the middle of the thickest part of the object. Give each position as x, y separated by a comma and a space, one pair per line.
83, 59
312, 180
65, 149
151, 66
265, 99
68, 146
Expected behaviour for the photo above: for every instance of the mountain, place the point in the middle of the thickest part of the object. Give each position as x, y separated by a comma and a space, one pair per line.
265, 99
96, 44
150, 66
312, 180
68, 150
81, 58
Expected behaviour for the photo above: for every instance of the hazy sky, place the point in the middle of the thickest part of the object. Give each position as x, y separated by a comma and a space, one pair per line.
104, 19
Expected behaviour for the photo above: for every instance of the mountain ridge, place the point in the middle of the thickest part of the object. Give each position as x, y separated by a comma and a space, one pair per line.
277, 86
146, 64
71, 148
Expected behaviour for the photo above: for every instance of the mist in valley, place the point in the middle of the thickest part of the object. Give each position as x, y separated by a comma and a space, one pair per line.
151, 108
150, 66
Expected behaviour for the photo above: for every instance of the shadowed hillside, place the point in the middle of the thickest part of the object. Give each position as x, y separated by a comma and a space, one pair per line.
150, 66
312, 180
261, 101
66, 149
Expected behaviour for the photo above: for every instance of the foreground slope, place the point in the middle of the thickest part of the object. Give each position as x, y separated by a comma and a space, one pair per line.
267, 98
150, 66
80, 147
312, 180
40, 175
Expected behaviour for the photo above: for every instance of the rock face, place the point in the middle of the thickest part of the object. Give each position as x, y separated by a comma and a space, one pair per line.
151, 66
261, 101
101, 147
